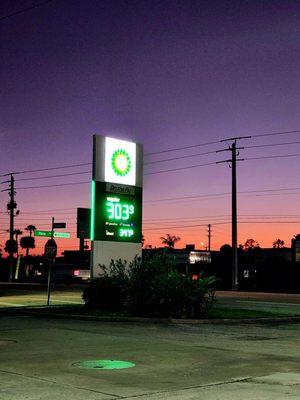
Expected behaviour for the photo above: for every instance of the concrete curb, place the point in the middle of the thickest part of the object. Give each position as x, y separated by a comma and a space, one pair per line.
139, 320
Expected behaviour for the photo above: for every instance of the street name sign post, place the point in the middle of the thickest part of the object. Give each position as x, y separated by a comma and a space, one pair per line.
50, 253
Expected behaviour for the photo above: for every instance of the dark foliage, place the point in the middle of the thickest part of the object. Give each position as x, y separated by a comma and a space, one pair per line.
150, 288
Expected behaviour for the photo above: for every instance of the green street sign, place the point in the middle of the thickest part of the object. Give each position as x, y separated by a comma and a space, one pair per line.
63, 235
42, 233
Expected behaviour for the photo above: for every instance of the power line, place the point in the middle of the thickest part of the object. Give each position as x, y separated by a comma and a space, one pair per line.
182, 148
181, 157
272, 157
47, 169
148, 173
56, 185
23, 10
167, 150
180, 169
54, 176
270, 145
275, 133
220, 223
221, 194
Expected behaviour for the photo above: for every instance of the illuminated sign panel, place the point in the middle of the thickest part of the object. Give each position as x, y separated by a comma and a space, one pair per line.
116, 213
120, 161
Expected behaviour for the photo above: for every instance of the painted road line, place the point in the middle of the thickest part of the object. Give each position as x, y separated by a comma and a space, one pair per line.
268, 302
10, 304
57, 300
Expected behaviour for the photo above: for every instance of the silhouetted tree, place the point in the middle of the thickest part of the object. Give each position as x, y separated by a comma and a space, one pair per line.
226, 248
27, 242
251, 244
170, 240
278, 244
17, 233
30, 229
11, 244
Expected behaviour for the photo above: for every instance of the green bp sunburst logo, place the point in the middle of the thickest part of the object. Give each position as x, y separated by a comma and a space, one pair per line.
121, 162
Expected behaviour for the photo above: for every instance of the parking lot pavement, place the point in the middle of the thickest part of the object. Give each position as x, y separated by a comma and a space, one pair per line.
39, 298
276, 303
38, 358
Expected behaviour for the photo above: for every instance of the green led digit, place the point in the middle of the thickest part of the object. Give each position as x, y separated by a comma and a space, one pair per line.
118, 211
131, 209
125, 212
110, 210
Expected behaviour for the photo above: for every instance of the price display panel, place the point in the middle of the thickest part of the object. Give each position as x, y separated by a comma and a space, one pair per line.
116, 216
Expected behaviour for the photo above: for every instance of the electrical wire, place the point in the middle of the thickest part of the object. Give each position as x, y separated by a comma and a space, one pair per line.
275, 133
273, 157
23, 10
53, 176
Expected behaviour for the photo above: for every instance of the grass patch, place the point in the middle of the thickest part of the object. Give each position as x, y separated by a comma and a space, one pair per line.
76, 309
239, 313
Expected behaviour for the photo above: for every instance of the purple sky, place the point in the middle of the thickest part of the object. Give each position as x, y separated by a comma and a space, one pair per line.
164, 73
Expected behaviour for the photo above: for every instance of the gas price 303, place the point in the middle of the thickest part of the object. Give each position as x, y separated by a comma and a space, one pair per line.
117, 210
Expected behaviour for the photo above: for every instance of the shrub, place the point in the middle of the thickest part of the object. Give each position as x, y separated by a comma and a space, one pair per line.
151, 288
108, 293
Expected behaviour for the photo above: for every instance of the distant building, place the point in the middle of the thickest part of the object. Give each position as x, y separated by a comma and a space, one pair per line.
296, 249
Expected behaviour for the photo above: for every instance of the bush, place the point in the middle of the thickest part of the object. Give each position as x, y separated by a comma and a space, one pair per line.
108, 293
150, 288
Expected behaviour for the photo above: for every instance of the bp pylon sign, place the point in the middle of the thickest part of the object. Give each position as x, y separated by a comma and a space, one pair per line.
116, 201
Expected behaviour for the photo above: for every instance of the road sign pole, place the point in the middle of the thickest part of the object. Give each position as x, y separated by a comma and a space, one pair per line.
52, 229
49, 281
51, 263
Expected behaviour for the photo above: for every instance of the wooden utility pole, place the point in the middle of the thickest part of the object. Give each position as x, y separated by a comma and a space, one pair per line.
11, 207
209, 237
232, 164
235, 272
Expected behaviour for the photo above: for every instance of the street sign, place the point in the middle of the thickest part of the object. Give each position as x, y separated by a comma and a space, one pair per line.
59, 225
50, 249
42, 233
63, 235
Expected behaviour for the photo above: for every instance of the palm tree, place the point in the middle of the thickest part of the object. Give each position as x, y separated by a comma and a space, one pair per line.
17, 233
170, 240
11, 246
27, 242
30, 229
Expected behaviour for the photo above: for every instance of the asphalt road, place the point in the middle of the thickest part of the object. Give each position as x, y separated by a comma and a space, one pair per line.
206, 362
282, 304
276, 303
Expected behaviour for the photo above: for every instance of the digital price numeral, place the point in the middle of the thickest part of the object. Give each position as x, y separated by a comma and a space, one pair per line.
119, 211
126, 232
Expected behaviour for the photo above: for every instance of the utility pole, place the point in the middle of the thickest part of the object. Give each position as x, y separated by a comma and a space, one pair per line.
11, 206
232, 163
235, 272
209, 237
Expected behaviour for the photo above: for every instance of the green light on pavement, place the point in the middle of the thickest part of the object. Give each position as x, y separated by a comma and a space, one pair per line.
104, 364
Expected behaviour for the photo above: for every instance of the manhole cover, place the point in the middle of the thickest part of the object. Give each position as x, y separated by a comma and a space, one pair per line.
104, 364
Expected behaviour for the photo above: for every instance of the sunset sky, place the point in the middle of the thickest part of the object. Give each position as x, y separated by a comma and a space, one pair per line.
167, 74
